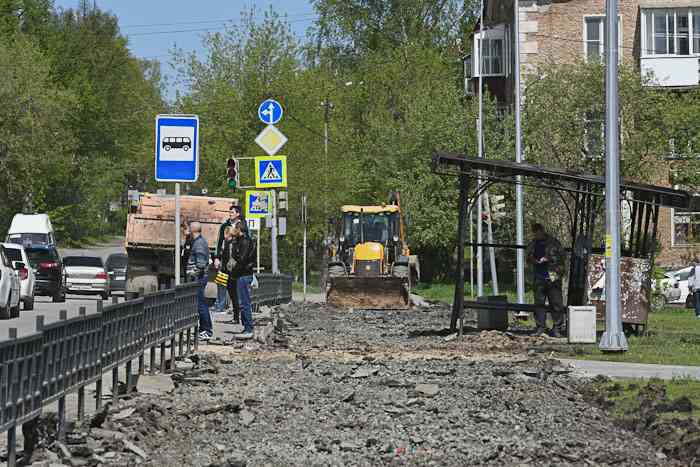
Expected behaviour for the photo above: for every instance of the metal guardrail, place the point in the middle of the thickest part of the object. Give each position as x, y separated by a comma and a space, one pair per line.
64, 357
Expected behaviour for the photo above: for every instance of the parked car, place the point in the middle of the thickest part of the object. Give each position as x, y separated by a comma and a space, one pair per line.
31, 230
27, 276
50, 272
117, 265
673, 288
9, 286
86, 275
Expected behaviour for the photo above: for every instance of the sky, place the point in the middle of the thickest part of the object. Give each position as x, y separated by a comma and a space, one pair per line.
154, 27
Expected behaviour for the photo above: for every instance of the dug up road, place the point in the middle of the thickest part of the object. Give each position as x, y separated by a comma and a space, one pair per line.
324, 387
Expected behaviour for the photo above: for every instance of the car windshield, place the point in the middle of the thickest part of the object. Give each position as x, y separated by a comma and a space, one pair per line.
83, 261
117, 262
13, 254
368, 227
29, 239
37, 255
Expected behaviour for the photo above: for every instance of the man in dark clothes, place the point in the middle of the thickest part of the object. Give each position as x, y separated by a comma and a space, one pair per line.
244, 255
221, 292
546, 254
228, 265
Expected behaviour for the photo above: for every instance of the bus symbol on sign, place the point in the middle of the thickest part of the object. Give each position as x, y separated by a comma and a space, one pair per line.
177, 143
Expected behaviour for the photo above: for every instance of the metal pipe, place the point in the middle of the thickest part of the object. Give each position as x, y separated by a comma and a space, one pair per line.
177, 234
480, 144
273, 232
613, 339
457, 304
519, 202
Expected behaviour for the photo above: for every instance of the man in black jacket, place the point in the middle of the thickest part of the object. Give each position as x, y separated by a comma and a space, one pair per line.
221, 292
244, 256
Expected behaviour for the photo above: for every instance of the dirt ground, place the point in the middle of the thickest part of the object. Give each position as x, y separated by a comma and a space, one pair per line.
323, 387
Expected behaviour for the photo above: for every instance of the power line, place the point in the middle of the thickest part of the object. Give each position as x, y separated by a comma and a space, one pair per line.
215, 29
300, 16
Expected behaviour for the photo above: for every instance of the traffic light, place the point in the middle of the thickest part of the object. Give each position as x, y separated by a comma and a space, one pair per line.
282, 201
232, 173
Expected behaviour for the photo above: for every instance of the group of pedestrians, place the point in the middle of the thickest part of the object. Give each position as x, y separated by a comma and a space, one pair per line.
234, 259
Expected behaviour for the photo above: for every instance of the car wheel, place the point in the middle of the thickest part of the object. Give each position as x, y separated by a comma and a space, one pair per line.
658, 302
167, 147
5, 312
29, 304
690, 301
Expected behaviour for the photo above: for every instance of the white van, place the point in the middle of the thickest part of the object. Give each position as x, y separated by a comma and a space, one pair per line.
31, 229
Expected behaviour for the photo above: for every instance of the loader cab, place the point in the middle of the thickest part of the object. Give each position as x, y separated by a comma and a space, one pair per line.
363, 224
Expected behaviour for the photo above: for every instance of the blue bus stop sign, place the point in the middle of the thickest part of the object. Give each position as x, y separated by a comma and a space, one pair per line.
177, 148
270, 112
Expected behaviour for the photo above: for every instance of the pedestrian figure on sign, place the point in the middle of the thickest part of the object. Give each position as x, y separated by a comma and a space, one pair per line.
229, 265
244, 256
546, 254
198, 271
694, 285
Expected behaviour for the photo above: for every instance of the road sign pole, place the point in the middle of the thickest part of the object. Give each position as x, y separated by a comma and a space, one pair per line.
258, 250
273, 232
303, 218
177, 234
613, 339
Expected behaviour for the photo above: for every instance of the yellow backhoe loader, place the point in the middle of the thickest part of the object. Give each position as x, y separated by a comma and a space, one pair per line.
370, 265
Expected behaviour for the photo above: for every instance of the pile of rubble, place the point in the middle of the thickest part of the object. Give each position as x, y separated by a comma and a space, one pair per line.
326, 387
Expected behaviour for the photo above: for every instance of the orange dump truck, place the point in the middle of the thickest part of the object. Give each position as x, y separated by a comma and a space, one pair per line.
150, 236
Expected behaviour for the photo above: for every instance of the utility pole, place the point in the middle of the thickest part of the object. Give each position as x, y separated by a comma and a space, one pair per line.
479, 222
273, 231
519, 203
492, 252
326, 120
613, 339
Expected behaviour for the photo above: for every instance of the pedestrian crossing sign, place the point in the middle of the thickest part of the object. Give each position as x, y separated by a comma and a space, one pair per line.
271, 172
257, 204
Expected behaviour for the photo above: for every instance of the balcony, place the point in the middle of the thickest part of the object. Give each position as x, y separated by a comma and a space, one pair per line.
671, 71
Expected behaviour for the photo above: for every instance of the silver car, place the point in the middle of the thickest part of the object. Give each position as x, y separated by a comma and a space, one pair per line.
86, 275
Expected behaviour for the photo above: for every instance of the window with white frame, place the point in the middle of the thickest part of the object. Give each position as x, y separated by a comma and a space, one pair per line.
594, 38
686, 228
674, 31
492, 57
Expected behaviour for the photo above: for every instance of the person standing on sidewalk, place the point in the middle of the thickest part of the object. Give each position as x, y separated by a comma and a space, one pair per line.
222, 295
228, 265
197, 268
244, 256
694, 283
546, 254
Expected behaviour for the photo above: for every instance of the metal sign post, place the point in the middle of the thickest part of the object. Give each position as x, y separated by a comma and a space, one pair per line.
273, 232
519, 204
177, 234
613, 339
303, 220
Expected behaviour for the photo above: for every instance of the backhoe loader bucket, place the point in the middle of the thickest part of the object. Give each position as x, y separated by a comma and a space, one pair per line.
368, 293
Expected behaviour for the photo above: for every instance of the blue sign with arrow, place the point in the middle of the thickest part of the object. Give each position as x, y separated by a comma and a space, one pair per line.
270, 112
177, 148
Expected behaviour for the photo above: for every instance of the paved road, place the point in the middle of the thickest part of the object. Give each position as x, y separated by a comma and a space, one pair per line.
26, 323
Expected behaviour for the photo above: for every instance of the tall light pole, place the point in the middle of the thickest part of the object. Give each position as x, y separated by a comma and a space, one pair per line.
613, 339
519, 211
480, 144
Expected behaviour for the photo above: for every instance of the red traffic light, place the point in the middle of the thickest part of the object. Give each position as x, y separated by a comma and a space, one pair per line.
232, 173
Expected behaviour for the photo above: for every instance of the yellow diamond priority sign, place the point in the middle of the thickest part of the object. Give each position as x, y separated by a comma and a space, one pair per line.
271, 140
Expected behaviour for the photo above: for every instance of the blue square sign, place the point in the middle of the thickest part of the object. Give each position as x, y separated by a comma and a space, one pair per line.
271, 172
177, 148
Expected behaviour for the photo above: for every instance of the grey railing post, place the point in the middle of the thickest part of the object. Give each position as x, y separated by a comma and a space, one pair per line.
62, 315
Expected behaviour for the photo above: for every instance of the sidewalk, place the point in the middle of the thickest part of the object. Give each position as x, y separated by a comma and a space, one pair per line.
632, 370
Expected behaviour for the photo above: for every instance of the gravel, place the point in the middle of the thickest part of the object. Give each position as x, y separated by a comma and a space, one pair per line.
337, 388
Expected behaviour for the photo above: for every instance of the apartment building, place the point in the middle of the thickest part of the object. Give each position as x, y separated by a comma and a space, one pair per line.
660, 37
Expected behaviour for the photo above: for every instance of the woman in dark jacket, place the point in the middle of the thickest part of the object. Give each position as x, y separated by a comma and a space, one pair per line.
229, 266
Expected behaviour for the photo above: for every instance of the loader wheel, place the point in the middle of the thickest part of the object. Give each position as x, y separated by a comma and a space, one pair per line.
401, 270
336, 271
